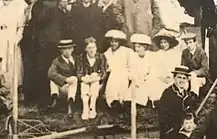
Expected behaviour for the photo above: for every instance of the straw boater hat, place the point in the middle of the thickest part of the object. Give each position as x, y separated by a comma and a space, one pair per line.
140, 38
117, 34
164, 34
189, 36
182, 70
66, 43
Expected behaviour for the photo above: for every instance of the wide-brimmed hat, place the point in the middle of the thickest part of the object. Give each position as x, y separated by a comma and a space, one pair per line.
181, 70
164, 34
140, 38
66, 43
189, 36
117, 34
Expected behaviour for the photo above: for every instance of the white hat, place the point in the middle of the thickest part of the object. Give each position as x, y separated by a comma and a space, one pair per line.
140, 38
116, 34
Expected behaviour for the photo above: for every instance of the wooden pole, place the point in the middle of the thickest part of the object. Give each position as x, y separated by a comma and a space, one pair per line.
207, 96
133, 113
70, 132
15, 92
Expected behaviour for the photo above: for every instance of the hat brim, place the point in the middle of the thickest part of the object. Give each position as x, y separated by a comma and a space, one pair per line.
173, 42
66, 46
180, 72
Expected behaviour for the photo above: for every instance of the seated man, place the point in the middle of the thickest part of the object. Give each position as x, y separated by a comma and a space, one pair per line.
174, 102
62, 74
5, 99
195, 58
92, 73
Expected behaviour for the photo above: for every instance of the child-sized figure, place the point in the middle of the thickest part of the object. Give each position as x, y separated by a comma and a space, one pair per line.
188, 126
5, 99
92, 73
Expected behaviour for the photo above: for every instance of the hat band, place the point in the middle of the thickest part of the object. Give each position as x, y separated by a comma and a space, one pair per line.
177, 69
65, 44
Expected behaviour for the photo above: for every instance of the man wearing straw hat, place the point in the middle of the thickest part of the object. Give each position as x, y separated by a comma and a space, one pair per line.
174, 102
62, 74
196, 60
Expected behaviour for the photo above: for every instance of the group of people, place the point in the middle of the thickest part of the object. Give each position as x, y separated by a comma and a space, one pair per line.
84, 49
129, 73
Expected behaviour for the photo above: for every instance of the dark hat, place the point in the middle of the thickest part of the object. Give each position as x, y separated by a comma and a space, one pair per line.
182, 70
164, 34
66, 43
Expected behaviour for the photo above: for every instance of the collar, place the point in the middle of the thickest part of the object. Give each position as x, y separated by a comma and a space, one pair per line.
106, 6
90, 58
193, 51
185, 133
177, 90
67, 60
86, 4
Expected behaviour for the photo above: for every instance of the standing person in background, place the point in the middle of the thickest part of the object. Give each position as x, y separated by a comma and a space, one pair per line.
138, 16
11, 31
87, 17
47, 31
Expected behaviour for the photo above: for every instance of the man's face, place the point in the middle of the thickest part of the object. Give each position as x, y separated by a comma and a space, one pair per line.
189, 125
114, 43
191, 44
91, 49
63, 4
67, 52
180, 80
140, 48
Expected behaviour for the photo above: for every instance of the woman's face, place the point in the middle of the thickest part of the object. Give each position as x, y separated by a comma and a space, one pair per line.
164, 44
140, 48
114, 43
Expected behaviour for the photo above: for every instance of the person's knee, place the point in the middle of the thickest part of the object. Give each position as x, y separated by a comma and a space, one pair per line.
85, 97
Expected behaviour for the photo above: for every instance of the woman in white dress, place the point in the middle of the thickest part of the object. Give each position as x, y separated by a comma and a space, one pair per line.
121, 67
163, 62
12, 23
138, 91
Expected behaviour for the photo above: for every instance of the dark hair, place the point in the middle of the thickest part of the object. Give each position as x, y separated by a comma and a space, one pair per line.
194, 39
188, 116
1, 59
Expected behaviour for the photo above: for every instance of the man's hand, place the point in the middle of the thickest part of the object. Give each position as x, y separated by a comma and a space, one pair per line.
94, 77
86, 79
71, 80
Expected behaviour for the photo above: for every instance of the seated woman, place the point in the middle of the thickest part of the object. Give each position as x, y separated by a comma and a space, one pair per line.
91, 73
141, 44
121, 61
5, 98
163, 61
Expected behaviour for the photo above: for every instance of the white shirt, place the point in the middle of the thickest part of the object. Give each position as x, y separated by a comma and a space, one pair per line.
91, 60
193, 51
70, 59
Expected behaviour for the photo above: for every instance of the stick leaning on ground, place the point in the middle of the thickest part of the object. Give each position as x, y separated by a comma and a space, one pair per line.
207, 96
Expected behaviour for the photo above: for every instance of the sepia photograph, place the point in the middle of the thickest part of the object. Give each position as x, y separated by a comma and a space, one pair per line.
108, 69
